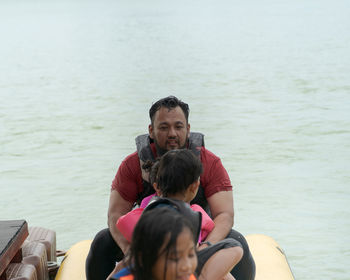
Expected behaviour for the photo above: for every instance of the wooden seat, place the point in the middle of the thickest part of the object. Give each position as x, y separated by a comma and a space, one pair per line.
35, 253
46, 237
20, 271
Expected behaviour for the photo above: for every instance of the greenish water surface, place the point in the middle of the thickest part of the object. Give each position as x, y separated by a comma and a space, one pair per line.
267, 83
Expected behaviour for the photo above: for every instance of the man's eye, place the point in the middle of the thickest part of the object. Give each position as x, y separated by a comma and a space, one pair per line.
163, 128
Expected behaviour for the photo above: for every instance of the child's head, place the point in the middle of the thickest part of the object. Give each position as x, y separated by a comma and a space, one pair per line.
163, 246
177, 171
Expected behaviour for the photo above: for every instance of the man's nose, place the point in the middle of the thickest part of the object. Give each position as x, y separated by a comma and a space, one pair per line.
172, 132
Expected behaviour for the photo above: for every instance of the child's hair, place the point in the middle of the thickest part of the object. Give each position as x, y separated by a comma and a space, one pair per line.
153, 172
177, 169
155, 227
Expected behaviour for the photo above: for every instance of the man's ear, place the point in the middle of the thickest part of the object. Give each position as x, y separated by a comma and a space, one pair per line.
150, 131
188, 130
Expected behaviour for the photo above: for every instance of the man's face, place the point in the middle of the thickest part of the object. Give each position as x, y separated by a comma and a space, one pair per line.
170, 129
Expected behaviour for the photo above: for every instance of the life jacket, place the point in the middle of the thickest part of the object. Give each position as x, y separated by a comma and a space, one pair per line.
195, 218
144, 151
207, 223
126, 277
124, 274
131, 277
127, 222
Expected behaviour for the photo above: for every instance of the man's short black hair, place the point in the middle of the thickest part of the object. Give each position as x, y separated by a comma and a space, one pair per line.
169, 102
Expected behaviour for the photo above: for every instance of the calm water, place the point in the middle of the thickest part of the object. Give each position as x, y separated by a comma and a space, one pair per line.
268, 83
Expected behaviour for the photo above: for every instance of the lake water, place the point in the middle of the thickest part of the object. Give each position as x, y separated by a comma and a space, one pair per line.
268, 83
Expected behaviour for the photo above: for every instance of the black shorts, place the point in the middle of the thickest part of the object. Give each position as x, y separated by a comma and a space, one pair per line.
204, 254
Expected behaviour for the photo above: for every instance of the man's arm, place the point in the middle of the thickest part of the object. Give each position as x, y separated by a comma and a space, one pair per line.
118, 207
221, 207
218, 191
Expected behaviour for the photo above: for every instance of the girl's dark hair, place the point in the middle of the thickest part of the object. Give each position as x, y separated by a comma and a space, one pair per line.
169, 102
177, 169
155, 227
152, 168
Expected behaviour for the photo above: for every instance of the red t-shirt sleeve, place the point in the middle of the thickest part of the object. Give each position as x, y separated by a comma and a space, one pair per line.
128, 180
214, 178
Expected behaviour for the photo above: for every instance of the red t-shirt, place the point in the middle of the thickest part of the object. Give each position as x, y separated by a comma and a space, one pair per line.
128, 180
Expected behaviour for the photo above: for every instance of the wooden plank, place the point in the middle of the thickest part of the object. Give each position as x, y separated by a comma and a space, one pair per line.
12, 235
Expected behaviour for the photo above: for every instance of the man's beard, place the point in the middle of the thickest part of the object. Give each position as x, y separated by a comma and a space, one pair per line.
161, 151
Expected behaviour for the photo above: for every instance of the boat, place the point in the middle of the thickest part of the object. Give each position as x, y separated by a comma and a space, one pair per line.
271, 261
73, 263
19, 257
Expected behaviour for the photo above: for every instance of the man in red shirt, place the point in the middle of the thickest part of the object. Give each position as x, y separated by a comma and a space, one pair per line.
169, 129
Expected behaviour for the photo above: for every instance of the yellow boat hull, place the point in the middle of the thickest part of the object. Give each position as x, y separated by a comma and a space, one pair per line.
271, 262
73, 264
